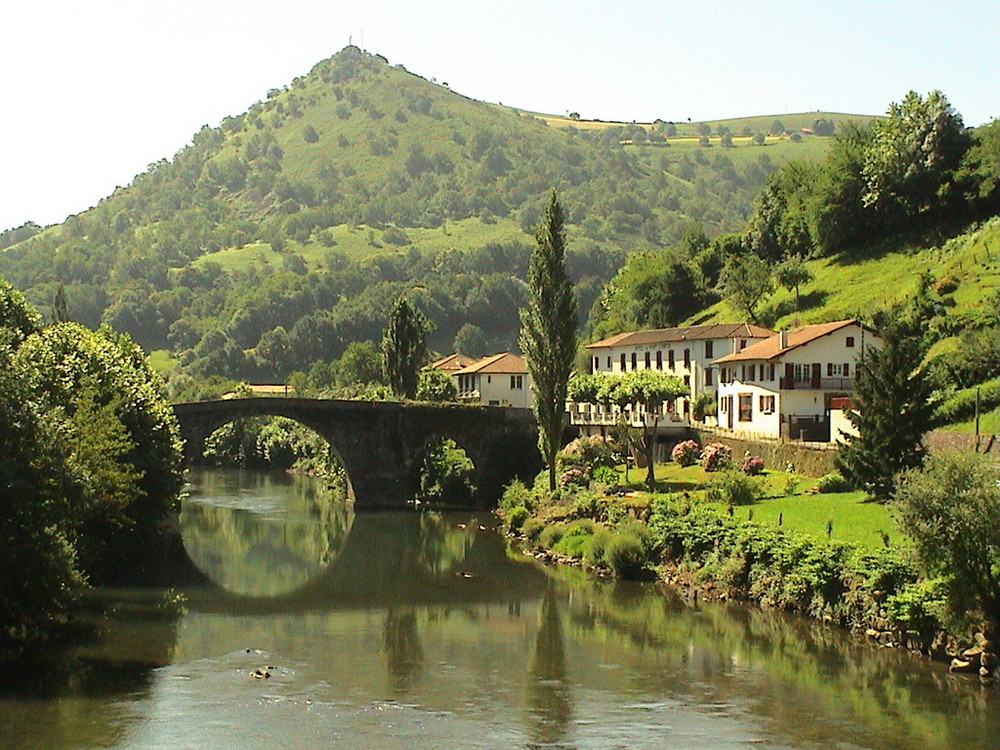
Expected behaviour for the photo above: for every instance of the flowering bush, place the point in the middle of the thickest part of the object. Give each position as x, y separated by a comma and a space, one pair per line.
574, 477
586, 454
752, 465
685, 453
716, 457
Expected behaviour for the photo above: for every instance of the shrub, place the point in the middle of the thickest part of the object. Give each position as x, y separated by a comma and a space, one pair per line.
550, 536
625, 554
605, 475
752, 465
586, 454
514, 495
733, 488
574, 478
716, 457
516, 517
833, 482
532, 528
686, 453
593, 552
587, 504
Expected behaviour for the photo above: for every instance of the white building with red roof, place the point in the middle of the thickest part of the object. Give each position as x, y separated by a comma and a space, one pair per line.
497, 380
787, 385
686, 352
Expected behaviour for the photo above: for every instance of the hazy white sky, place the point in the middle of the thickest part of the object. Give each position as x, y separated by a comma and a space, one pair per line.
94, 90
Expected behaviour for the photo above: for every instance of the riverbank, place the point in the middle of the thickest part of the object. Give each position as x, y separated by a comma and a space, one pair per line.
708, 553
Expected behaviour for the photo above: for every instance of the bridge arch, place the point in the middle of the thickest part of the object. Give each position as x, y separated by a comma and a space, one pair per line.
380, 442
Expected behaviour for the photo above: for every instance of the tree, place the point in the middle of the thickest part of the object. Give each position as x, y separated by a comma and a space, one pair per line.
647, 389
471, 340
404, 348
951, 511
16, 314
436, 385
746, 280
548, 331
912, 154
891, 410
60, 308
360, 363
793, 273
123, 441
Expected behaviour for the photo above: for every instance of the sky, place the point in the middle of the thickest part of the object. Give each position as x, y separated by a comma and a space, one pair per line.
93, 91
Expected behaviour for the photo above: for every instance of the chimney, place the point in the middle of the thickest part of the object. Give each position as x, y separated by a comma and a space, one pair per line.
782, 340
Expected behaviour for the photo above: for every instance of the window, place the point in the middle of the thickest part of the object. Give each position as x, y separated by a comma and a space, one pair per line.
847, 370
709, 349
670, 359
746, 407
766, 404
687, 380
687, 359
850, 342
597, 364
803, 374
708, 376
517, 382
743, 344
609, 363
635, 359
659, 359
623, 362
770, 372
647, 360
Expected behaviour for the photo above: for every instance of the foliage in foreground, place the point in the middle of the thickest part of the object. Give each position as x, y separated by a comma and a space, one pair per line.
951, 510
90, 467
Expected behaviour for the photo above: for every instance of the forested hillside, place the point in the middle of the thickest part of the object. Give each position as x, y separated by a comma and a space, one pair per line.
286, 232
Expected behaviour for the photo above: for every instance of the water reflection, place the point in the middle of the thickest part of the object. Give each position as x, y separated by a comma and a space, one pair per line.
404, 656
424, 630
261, 534
548, 690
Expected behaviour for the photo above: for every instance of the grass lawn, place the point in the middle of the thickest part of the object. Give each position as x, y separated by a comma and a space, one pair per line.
853, 519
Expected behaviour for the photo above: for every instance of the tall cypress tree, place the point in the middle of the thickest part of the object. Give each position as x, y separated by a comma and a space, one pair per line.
404, 347
892, 410
548, 332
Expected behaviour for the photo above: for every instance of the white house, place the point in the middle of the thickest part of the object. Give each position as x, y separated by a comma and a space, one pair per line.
787, 385
685, 352
498, 380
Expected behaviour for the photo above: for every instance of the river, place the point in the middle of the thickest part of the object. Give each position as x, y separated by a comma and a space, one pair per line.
314, 627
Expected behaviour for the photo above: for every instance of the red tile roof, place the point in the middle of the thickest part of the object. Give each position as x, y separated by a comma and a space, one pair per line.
686, 333
771, 348
504, 363
450, 362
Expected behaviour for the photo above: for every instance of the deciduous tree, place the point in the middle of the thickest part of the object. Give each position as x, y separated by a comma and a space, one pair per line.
548, 331
404, 347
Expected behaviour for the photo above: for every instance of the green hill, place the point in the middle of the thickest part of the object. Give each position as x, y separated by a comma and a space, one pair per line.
284, 233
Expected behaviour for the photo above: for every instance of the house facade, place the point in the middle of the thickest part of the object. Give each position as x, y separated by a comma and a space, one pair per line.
791, 384
686, 352
497, 380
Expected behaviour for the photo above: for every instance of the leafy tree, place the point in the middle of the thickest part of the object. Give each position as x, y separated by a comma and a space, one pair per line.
360, 363
471, 340
726, 141
951, 511
777, 127
793, 273
822, 126
891, 411
704, 128
746, 280
309, 134
126, 439
436, 385
911, 156
648, 389
39, 579
548, 331
404, 348
16, 315
759, 139
60, 308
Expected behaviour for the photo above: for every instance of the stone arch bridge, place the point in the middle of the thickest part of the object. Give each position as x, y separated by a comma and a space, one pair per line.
381, 443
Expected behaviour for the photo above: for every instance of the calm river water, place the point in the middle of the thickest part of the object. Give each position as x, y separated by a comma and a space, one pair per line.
412, 630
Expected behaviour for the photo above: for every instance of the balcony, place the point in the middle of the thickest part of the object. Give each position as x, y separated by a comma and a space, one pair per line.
817, 384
